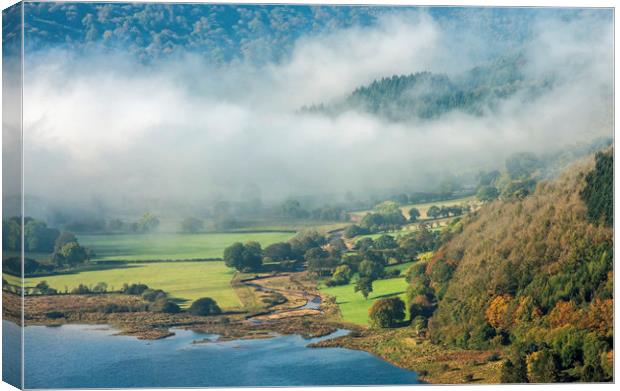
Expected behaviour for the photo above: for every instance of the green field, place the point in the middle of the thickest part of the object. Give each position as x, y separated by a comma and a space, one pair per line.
136, 247
353, 306
186, 281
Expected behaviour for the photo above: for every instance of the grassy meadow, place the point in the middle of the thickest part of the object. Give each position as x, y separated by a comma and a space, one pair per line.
171, 246
184, 281
353, 306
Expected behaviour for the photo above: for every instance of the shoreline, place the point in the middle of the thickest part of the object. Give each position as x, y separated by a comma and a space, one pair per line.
356, 339
299, 314
428, 366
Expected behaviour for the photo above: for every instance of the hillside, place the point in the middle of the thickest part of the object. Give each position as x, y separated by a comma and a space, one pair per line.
428, 95
534, 275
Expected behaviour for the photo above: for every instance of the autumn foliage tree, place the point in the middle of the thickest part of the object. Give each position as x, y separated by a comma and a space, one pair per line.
498, 312
387, 312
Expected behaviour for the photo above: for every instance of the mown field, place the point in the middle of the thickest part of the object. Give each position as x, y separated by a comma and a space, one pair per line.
353, 306
185, 281
170, 246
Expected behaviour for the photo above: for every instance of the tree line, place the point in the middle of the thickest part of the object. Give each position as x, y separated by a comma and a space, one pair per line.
62, 246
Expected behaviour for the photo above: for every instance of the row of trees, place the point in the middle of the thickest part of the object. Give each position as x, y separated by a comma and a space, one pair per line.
38, 237
435, 211
145, 224
63, 247
386, 216
304, 247
292, 208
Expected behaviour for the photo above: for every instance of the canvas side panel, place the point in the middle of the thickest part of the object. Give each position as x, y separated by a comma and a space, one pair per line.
12, 196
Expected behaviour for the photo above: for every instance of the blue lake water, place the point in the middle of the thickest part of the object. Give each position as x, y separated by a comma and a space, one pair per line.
89, 356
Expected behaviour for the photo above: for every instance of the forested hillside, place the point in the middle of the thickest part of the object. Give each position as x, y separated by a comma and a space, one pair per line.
534, 275
428, 95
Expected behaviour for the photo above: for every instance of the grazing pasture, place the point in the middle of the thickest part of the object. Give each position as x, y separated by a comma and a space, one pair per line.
171, 246
184, 281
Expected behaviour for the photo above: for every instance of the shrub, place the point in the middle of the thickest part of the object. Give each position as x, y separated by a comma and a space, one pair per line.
101, 287
387, 312
45, 289
114, 308
165, 306
134, 289
153, 295
204, 306
274, 298
81, 290
493, 357
54, 315
342, 275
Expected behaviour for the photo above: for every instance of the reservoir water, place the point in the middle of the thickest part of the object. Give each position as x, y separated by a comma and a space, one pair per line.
91, 356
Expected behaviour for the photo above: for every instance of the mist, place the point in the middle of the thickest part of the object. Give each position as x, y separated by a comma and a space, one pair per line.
101, 125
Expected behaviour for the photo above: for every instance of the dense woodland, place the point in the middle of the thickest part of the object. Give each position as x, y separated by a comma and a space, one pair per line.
534, 275
426, 95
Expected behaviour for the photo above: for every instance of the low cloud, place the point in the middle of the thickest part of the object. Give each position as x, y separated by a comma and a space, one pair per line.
102, 125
